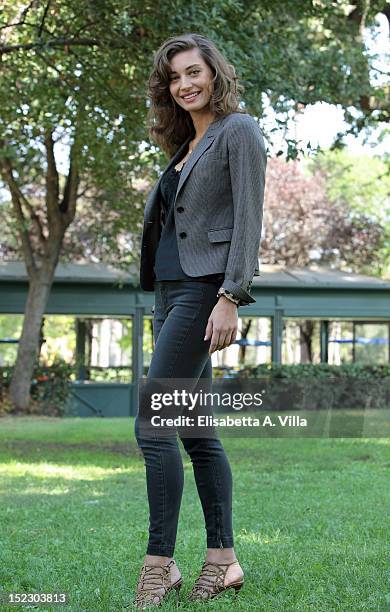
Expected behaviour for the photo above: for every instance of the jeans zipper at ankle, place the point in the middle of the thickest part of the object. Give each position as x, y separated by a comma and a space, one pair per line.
218, 522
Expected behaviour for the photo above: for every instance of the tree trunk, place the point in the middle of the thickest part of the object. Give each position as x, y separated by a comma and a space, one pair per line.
306, 335
41, 242
28, 353
42, 338
244, 334
88, 348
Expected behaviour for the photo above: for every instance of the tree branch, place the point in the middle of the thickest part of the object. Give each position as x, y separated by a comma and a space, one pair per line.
20, 16
84, 191
52, 181
43, 18
58, 43
386, 12
17, 198
37, 222
69, 201
54, 67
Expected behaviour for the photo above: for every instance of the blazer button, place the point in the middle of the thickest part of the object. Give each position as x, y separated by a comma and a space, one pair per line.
180, 209
183, 235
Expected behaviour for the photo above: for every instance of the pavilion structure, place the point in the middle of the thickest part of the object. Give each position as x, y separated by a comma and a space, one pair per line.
95, 290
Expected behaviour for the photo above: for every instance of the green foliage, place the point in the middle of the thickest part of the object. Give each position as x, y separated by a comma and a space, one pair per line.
59, 338
363, 184
118, 374
10, 329
80, 69
49, 389
310, 370
317, 386
360, 180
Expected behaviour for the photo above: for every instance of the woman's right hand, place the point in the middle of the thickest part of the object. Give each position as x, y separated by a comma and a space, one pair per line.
222, 325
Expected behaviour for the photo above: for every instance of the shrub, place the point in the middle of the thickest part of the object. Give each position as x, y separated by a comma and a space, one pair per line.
314, 386
49, 389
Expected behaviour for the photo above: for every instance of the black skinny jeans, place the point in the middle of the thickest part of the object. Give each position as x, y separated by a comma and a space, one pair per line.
182, 309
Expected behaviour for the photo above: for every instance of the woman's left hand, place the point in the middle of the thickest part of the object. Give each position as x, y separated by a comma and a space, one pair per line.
222, 325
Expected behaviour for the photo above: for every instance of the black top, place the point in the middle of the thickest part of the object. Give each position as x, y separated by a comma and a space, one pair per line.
167, 263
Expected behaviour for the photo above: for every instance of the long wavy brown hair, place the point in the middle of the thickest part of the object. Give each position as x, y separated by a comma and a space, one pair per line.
168, 124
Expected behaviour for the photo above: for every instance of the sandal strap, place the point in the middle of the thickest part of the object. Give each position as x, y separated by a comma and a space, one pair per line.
211, 579
154, 582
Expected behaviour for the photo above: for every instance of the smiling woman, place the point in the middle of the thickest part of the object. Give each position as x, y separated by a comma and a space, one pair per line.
200, 242
185, 65
193, 75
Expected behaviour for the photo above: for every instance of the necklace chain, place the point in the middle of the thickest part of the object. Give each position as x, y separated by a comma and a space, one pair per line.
186, 158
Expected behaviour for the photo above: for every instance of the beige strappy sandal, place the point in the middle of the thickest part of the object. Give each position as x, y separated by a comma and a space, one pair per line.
154, 584
211, 582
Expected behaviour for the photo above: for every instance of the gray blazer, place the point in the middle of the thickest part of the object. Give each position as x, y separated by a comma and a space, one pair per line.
218, 208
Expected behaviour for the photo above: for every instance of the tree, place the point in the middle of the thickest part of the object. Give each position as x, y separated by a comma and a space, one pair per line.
73, 75
105, 230
363, 184
302, 226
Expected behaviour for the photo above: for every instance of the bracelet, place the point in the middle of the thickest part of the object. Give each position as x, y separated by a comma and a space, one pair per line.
229, 296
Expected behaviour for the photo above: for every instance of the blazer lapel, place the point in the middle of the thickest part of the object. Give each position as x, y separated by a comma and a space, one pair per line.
202, 146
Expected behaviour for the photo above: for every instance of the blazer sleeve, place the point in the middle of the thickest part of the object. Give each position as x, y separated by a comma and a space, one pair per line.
247, 166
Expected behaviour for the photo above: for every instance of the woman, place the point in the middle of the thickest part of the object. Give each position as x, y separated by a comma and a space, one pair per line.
199, 254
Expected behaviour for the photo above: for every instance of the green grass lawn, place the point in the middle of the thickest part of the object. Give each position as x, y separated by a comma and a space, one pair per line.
311, 518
